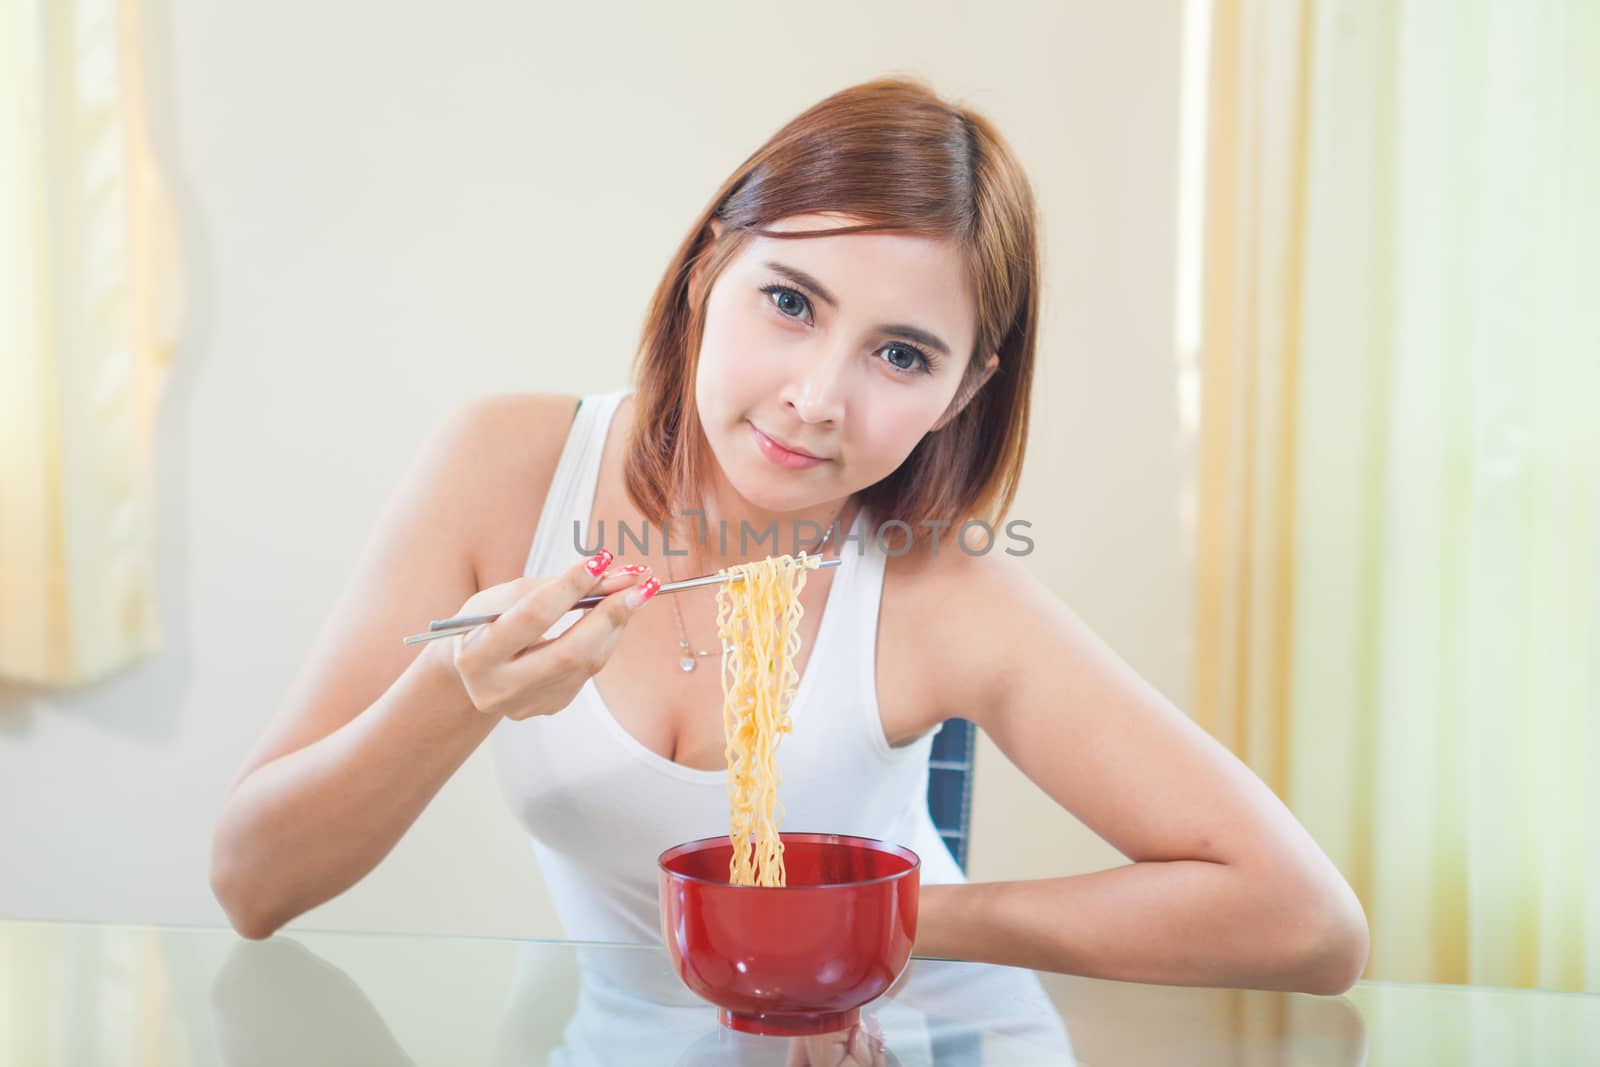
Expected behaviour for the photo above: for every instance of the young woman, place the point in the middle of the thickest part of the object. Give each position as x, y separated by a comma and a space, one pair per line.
841, 353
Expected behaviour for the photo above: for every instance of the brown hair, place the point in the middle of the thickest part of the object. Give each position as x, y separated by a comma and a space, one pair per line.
953, 178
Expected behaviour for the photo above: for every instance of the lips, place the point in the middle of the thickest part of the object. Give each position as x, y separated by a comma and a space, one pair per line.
786, 446
783, 455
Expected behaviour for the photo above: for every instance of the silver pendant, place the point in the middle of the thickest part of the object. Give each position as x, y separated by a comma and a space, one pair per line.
687, 664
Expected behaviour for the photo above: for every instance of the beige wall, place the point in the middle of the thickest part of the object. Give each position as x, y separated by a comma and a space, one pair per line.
389, 209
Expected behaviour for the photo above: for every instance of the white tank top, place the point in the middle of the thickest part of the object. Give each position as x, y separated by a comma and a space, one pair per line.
601, 807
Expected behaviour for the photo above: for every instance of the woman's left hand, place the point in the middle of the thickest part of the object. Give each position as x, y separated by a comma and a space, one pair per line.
855, 1047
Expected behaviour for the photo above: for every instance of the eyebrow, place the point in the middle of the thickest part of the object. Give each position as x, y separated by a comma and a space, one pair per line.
807, 282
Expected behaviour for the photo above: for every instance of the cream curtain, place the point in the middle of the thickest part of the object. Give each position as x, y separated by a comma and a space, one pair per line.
88, 315
1398, 545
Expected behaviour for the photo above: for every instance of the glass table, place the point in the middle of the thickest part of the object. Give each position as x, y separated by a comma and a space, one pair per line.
84, 993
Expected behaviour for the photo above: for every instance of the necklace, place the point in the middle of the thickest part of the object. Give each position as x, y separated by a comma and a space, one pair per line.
688, 656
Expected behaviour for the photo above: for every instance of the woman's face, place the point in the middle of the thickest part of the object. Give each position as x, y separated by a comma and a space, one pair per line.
848, 349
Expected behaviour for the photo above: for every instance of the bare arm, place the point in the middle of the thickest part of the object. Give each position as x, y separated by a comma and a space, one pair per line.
372, 729
1225, 887
307, 825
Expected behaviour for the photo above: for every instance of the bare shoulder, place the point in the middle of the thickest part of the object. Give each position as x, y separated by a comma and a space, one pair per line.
511, 443
950, 601
517, 429
477, 477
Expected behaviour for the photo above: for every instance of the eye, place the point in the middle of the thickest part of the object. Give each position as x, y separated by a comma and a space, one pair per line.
797, 306
919, 363
788, 302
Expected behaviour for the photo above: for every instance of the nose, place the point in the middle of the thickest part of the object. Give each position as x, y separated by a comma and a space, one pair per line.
817, 394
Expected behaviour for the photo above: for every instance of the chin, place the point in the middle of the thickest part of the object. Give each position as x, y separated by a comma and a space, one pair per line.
775, 492
754, 477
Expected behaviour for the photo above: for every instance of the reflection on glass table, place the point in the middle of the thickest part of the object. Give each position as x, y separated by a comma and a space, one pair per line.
627, 1006
90, 994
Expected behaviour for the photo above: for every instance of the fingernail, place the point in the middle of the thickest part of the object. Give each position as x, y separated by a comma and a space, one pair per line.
636, 568
599, 562
643, 591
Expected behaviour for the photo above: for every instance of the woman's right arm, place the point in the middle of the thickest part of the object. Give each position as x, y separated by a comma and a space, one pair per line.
372, 729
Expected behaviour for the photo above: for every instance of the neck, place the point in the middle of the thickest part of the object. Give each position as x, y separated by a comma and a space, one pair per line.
716, 542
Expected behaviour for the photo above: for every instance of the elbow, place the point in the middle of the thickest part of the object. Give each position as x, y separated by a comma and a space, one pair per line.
1333, 943
251, 927
252, 931
244, 909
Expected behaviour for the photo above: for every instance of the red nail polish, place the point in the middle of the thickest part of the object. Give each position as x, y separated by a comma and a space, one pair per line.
649, 588
636, 568
599, 562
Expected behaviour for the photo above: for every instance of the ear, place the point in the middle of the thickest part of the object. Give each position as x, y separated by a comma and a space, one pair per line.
964, 397
717, 228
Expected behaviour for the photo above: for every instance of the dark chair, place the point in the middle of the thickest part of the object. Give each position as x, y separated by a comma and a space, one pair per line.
950, 784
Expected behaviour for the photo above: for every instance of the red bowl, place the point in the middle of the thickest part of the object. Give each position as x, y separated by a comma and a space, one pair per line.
797, 960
